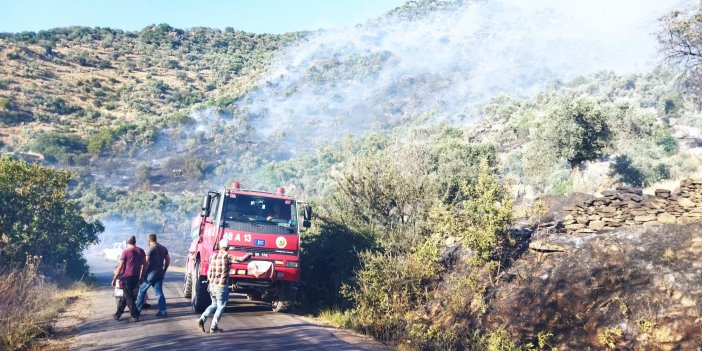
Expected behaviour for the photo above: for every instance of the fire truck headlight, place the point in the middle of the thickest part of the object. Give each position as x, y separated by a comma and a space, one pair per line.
292, 264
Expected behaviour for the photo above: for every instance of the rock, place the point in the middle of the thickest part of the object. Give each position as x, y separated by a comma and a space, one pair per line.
653, 204
574, 226
609, 193
645, 218
631, 204
685, 202
635, 197
596, 225
666, 218
638, 212
608, 209
568, 218
685, 220
541, 246
662, 193
667, 334
601, 201
582, 219
688, 302
595, 217
630, 190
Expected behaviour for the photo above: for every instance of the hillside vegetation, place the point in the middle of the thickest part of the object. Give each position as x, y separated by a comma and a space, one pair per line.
99, 88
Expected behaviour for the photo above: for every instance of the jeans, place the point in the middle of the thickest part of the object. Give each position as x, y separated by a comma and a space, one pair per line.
129, 286
220, 295
156, 280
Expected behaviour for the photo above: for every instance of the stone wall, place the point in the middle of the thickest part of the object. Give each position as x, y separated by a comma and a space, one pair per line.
627, 207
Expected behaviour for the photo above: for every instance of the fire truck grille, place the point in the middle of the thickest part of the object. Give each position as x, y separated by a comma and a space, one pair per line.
260, 228
262, 250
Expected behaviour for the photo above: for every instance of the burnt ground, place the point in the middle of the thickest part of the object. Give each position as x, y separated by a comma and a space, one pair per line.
631, 289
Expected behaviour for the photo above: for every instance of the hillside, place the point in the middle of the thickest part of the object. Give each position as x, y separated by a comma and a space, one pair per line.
81, 81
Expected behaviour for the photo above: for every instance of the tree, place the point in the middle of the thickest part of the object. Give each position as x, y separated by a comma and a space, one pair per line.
575, 129
38, 218
681, 43
624, 170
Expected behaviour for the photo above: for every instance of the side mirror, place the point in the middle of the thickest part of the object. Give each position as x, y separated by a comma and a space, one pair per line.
307, 214
206, 201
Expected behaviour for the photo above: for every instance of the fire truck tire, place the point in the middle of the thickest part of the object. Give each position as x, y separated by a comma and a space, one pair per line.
281, 305
283, 299
188, 286
199, 298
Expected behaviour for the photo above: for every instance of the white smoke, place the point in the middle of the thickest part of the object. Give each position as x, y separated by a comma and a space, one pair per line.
438, 65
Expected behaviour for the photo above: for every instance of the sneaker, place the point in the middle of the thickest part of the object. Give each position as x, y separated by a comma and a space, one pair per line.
201, 325
134, 319
216, 330
116, 316
161, 314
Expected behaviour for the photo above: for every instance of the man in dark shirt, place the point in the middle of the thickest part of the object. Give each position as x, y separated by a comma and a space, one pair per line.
129, 269
157, 262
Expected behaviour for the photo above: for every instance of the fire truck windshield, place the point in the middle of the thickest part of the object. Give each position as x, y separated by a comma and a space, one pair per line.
259, 209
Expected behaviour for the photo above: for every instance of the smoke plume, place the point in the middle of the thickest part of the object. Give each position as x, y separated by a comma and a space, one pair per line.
437, 61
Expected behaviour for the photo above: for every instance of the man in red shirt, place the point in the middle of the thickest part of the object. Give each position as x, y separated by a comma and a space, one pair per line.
129, 269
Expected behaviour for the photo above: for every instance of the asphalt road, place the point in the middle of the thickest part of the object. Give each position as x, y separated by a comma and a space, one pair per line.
247, 326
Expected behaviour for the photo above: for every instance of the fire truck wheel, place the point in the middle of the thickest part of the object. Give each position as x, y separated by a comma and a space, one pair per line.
187, 286
199, 299
280, 305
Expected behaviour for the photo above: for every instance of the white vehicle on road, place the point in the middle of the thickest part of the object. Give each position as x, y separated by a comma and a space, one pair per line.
114, 251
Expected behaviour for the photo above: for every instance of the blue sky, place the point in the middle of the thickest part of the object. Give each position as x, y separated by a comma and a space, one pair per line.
259, 16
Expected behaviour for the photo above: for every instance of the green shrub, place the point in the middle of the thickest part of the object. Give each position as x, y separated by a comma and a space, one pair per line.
5, 103
480, 221
666, 141
391, 287
59, 147
60, 106
38, 218
330, 252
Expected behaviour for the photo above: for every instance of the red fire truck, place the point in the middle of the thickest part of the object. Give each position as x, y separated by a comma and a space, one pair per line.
265, 224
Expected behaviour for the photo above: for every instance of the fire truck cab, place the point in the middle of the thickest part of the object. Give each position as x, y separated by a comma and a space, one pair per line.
261, 223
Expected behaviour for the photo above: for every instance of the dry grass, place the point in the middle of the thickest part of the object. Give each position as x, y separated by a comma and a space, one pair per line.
30, 305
